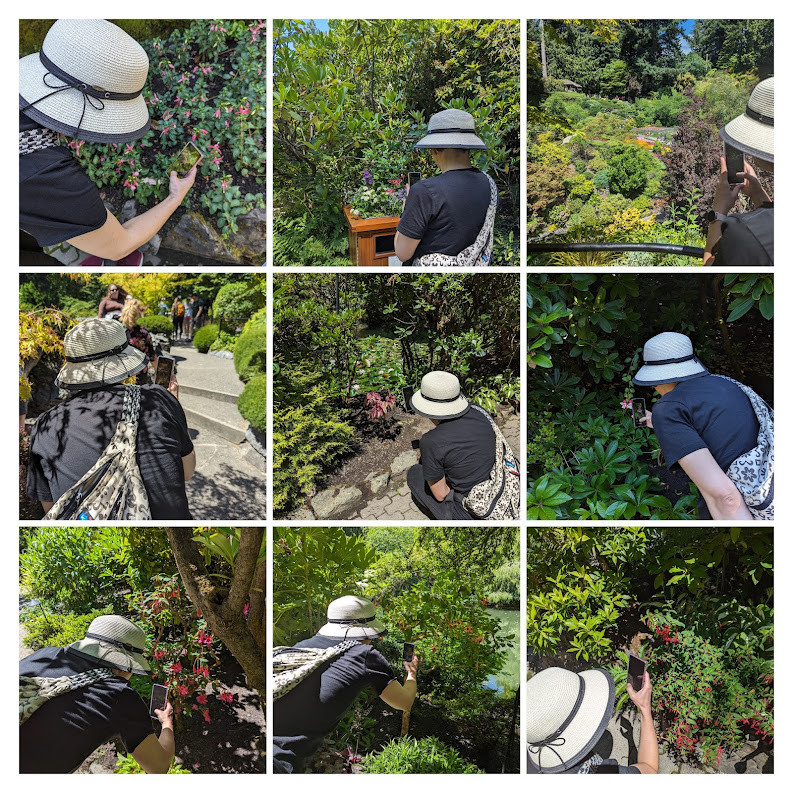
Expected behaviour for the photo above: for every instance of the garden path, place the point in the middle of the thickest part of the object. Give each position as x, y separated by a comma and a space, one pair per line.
394, 502
230, 478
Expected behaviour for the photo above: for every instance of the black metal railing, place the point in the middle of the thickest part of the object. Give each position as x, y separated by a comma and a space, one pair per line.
645, 247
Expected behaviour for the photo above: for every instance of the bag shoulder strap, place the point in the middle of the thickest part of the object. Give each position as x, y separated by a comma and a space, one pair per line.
35, 691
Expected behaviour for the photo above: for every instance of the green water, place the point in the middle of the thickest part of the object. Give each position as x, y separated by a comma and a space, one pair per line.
508, 678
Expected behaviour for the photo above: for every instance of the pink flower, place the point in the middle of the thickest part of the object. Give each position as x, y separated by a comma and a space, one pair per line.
226, 696
176, 668
203, 131
201, 699
196, 766
246, 609
217, 113
183, 690
159, 655
205, 713
182, 78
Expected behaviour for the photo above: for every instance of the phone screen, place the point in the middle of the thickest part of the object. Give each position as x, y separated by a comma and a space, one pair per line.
636, 669
164, 371
735, 164
187, 158
413, 177
407, 651
159, 696
638, 408
407, 393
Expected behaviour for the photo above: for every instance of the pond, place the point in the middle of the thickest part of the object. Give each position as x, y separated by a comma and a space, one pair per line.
508, 678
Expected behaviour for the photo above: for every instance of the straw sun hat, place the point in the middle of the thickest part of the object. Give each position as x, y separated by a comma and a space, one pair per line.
753, 131
439, 397
86, 82
566, 715
352, 617
668, 358
97, 353
115, 641
451, 129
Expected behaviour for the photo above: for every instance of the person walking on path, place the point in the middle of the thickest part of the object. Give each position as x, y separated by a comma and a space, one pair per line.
69, 438
74, 699
85, 84
313, 705
177, 317
458, 454
567, 713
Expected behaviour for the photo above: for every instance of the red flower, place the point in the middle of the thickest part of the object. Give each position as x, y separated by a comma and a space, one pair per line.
201, 699
183, 690
226, 696
176, 668
205, 713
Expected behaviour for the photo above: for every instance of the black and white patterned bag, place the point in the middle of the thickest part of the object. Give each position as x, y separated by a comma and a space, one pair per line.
479, 253
292, 665
753, 472
497, 498
35, 691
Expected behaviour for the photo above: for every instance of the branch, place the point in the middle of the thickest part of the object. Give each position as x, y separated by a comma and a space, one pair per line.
250, 544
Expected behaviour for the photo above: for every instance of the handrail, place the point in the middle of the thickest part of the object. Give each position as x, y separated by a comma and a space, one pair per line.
647, 247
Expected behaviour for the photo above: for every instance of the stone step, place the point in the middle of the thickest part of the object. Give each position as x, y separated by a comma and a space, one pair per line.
217, 416
208, 393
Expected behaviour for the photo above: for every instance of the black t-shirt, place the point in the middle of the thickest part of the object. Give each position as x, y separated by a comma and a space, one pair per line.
463, 450
445, 212
747, 239
67, 728
705, 412
57, 200
68, 439
304, 716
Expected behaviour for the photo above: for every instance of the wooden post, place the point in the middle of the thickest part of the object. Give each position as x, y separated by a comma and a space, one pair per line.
364, 235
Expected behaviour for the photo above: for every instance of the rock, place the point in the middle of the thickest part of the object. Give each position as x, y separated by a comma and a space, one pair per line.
257, 460
97, 768
222, 353
377, 482
152, 247
193, 234
301, 513
335, 501
403, 462
257, 439
128, 211
251, 236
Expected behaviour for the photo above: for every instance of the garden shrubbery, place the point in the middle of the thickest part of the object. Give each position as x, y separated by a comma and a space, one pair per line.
206, 84
349, 104
205, 337
696, 604
252, 402
412, 756
157, 324
250, 352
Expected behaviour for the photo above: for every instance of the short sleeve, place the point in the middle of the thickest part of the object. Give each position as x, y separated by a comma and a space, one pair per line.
185, 444
431, 460
132, 719
57, 200
417, 213
675, 430
38, 486
378, 670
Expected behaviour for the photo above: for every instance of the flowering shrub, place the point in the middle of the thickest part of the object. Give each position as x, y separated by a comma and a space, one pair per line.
182, 650
707, 698
206, 85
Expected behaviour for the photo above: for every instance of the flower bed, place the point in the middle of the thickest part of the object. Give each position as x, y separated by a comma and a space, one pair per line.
206, 85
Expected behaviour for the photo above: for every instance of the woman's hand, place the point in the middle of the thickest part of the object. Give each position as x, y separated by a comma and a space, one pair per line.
647, 419
411, 667
726, 193
642, 698
179, 188
751, 185
173, 386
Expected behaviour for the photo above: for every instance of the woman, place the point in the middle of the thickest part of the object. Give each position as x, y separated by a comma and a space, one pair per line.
449, 219
177, 317
188, 318
85, 84
69, 438
138, 336
113, 302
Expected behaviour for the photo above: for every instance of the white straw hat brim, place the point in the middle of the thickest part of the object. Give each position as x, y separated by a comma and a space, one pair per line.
110, 654
585, 728
102, 371
669, 373
750, 136
118, 122
338, 630
439, 410
451, 140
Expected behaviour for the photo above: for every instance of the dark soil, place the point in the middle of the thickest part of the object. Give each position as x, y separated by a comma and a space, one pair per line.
233, 743
376, 443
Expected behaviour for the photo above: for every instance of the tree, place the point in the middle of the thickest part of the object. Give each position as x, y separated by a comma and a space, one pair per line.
741, 45
628, 169
236, 613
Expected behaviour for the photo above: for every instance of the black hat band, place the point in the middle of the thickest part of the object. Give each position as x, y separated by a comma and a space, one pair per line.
433, 399
97, 355
115, 642
84, 88
450, 130
666, 361
767, 120
360, 621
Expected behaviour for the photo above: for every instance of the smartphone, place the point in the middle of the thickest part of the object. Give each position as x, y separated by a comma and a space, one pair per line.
187, 158
735, 164
164, 373
639, 409
159, 696
407, 393
636, 669
408, 651
413, 177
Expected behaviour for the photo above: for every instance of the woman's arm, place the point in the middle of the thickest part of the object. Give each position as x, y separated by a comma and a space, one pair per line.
647, 760
101, 311
404, 247
402, 696
722, 497
114, 241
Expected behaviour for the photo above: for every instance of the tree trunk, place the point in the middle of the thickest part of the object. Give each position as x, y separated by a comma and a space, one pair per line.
405, 723
223, 609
